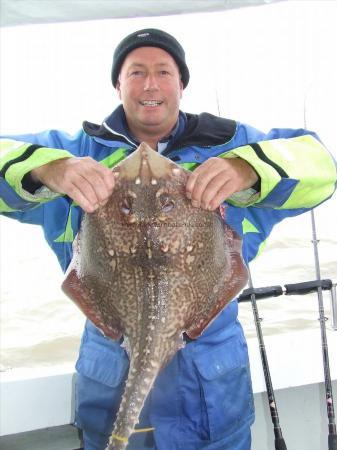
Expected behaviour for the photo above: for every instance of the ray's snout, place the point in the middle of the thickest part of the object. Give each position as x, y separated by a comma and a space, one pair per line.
145, 166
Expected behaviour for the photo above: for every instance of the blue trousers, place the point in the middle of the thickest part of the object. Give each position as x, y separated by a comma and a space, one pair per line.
202, 400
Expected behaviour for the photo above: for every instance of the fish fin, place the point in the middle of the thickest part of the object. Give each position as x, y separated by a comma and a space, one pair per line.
235, 281
74, 288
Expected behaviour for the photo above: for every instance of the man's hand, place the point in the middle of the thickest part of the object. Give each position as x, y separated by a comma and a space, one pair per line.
217, 179
84, 180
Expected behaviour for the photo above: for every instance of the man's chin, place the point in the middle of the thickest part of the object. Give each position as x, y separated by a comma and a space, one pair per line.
152, 123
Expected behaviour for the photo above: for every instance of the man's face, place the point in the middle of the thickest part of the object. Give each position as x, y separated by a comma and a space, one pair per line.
150, 88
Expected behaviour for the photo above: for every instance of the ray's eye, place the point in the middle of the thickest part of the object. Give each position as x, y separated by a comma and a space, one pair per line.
126, 206
166, 202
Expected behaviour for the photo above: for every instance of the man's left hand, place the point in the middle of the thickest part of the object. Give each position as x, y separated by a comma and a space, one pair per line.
217, 179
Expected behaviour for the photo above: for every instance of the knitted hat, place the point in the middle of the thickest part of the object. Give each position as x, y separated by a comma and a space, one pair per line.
150, 37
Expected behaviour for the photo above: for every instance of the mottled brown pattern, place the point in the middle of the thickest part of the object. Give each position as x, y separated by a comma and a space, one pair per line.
150, 266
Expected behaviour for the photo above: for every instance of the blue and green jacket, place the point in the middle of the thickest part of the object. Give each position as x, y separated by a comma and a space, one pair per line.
296, 171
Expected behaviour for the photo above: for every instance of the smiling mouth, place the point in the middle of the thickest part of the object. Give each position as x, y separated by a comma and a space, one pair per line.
151, 102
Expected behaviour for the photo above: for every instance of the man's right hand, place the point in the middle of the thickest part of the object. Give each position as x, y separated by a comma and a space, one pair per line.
83, 179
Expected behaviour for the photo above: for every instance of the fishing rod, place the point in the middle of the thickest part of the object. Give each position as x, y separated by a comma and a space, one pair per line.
332, 436
279, 441
307, 287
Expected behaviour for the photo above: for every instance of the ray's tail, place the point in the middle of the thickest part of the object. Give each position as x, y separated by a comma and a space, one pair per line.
137, 387
146, 362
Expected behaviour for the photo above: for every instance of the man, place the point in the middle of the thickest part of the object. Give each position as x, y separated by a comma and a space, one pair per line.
202, 399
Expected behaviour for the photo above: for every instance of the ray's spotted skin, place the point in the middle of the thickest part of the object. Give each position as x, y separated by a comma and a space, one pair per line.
148, 265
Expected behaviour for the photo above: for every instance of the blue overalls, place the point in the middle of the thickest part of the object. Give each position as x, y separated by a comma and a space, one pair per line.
201, 400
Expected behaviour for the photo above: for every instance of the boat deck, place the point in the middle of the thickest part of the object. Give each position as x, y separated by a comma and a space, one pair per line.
56, 438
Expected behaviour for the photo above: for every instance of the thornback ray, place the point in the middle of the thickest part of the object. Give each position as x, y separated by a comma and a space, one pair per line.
150, 266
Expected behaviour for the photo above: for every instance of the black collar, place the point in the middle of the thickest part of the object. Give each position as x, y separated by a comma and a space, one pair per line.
204, 130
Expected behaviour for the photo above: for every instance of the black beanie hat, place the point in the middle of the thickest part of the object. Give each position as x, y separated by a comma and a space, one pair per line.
150, 37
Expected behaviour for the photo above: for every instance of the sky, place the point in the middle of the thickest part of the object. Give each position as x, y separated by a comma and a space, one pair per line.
268, 66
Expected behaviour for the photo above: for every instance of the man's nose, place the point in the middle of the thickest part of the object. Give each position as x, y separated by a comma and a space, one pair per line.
151, 83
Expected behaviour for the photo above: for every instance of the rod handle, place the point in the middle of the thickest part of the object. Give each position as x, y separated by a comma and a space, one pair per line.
307, 287
280, 444
262, 292
332, 441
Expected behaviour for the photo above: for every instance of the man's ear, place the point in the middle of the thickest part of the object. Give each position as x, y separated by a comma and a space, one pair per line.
118, 89
181, 89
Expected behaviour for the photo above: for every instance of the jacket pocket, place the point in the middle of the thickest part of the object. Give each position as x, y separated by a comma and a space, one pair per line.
226, 387
102, 360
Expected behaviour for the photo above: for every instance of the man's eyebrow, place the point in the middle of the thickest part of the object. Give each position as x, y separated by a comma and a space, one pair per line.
135, 64
139, 64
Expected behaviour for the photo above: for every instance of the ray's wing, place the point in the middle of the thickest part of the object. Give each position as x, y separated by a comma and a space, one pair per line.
76, 288
224, 277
